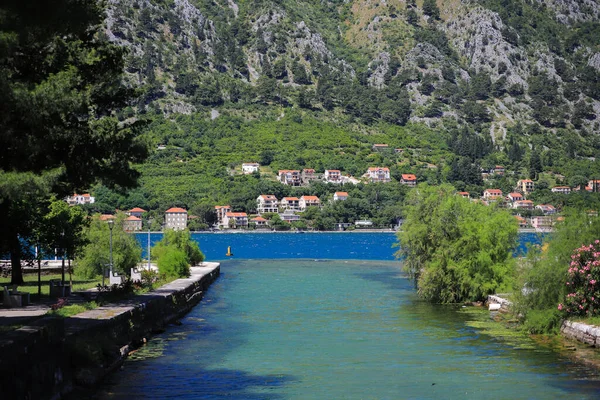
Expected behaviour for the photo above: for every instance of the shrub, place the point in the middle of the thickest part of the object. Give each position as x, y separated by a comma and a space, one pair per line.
583, 282
174, 263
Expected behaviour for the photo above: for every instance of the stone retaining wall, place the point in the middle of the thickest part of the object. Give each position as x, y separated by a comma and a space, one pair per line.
581, 332
57, 356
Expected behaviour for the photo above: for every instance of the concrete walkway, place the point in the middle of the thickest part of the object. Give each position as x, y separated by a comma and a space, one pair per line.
21, 315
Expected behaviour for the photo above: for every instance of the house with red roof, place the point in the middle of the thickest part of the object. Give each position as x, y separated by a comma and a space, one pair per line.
547, 209
378, 174
340, 196
136, 212
308, 175
514, 196
309, 201
235, 219
289, 177
492, 194
260, 222
176, 219
332, 176
525, 186
464, 194
267, 203
132, 224
523, 205
408, 180
290, 203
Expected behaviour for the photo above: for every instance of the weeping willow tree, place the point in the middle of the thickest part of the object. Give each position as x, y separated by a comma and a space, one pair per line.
453, 249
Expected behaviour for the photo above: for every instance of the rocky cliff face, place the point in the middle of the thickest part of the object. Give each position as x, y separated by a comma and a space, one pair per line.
193, 53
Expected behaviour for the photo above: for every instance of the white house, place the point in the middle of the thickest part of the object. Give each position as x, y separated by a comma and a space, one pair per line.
492, 194
290, 177
514, 196
221, 211
308, 201
235, 219
290, 203
260, 222
547, 209
378, 174
525, 186
561, 189
266, 203
340, 196
249, 168
332, 176
308, 175
80, 199
523, 204
176, 219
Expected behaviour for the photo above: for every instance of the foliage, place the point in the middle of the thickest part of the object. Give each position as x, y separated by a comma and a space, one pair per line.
65, 310
60, 81
95, 256
541, 283
175, 252
453, 249
173, 262
583, 282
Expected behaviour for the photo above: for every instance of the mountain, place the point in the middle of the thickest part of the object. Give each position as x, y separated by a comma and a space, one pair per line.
493, 80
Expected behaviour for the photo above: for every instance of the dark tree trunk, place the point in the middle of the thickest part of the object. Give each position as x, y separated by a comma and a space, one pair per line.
16, 277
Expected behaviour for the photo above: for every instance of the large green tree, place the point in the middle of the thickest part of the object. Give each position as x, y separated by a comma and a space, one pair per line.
60, 83
455, 250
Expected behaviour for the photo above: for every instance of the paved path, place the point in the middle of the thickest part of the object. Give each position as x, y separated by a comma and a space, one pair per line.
21, 315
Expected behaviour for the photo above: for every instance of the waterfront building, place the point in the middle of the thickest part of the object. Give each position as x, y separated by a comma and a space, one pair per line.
235, 219
221, 211
260, 222
132, 224
176, 219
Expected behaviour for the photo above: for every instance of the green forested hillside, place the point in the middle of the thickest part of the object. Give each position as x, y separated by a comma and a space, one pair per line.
461, 87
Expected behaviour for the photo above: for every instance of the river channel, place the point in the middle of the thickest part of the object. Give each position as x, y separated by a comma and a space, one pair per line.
317, 328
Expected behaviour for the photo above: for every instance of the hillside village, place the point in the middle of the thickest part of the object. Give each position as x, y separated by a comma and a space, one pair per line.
272, 213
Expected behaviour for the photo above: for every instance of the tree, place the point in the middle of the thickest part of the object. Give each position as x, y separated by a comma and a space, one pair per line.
541, 285
95, 256
60, 82
175, 252
430, 8
453, 249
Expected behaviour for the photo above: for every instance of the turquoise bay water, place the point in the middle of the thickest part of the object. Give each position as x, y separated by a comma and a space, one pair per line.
335, 329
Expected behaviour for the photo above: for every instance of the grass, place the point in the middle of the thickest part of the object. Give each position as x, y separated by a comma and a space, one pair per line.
31, 283
74, 309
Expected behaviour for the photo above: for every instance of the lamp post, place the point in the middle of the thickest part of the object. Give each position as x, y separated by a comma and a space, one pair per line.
149, 225
111, 223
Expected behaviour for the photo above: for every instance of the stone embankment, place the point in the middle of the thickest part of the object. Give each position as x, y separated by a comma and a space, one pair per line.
581, 332
53, 357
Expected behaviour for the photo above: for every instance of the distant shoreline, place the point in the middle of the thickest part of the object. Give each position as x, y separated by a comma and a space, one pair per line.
243, 231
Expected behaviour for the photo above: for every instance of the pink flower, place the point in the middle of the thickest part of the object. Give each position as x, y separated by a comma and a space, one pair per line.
560, 307
593, 281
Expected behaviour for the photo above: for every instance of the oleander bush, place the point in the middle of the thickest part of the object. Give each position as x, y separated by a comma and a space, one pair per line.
583, 282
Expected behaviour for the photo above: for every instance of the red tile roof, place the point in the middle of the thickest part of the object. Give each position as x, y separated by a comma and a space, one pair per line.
409, 177
176, 210
137, 210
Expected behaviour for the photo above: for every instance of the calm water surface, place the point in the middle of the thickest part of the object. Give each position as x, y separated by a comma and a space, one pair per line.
335, 329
